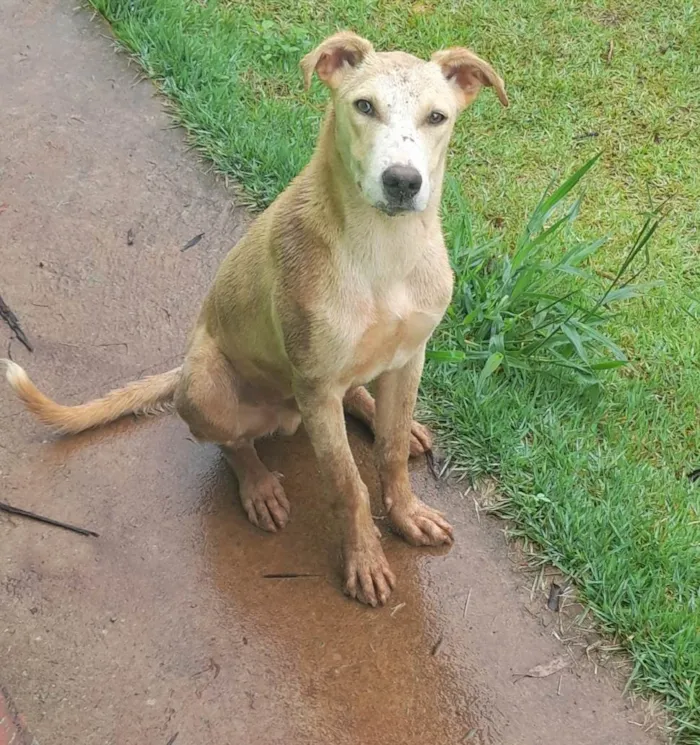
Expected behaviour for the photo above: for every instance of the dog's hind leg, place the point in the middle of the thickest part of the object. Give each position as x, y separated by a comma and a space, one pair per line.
262, 495
208, 399
359, 404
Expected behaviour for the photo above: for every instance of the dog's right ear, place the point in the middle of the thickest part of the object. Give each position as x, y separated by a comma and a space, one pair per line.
332, 57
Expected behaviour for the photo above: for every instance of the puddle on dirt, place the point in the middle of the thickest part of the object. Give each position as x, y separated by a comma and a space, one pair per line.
371, 673
313, 665
201, 631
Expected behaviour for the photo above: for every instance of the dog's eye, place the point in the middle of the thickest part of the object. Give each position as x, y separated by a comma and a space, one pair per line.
364, 107
436, 117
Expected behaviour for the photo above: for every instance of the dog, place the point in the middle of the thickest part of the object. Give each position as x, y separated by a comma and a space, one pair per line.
339, 283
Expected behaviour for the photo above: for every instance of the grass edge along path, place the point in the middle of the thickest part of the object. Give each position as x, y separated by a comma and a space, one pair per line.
561, 458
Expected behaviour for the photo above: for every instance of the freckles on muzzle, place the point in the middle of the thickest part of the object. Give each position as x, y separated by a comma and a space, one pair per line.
395, 169
402, 171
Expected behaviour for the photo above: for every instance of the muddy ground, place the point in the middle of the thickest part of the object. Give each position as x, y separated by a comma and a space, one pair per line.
166, 626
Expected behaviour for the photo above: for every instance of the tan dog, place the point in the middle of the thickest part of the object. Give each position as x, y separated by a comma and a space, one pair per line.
340, 282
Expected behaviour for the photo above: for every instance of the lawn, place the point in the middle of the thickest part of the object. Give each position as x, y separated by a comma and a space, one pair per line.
595, 475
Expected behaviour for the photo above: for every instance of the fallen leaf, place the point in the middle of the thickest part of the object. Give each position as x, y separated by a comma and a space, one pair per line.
547, 668
193, 242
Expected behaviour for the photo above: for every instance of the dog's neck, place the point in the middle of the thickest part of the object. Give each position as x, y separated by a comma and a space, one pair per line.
340, 203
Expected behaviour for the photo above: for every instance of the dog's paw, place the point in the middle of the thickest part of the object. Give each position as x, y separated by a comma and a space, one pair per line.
421, 440
265, 503
421, 525
368, 577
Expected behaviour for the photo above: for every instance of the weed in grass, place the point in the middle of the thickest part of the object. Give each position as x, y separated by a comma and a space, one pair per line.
536, 307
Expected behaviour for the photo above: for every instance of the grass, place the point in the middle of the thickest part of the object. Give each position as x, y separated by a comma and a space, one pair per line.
594, 474
539, 306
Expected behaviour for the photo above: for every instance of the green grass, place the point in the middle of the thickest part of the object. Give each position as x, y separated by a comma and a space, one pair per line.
594, 475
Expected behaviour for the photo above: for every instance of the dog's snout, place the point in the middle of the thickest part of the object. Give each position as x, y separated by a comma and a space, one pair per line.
401, 182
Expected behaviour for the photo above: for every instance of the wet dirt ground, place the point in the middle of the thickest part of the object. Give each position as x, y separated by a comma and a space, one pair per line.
166, 625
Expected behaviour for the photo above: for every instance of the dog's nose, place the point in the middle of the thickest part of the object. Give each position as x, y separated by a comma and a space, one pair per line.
401, 182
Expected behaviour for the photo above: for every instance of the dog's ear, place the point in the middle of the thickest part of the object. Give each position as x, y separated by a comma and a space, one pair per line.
467, 73
332, 57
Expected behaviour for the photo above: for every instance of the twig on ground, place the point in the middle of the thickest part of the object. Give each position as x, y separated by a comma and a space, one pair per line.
477, 509
49, 521
396, 609
466, 604
13, 322
212, 667
436, 646
437, 464
290, 575
430, 460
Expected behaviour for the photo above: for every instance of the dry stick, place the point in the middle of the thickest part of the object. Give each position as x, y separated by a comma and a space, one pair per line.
49, 521
290, 575
466, 604
477, 509
430, 461
396, 609
13, 322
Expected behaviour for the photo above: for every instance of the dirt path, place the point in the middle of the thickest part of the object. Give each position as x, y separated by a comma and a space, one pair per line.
165, 624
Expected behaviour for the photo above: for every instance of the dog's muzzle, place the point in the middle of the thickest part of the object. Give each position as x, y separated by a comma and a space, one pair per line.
401, 184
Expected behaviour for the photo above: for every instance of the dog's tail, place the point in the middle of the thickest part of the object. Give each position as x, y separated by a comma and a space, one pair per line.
147, 396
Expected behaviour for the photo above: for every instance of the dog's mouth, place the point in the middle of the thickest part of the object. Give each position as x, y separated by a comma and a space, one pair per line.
395, 209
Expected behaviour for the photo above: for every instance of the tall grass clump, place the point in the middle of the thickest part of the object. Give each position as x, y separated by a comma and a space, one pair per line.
540, 306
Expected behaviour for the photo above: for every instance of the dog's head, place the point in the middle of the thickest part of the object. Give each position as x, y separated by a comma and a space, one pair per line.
394, 114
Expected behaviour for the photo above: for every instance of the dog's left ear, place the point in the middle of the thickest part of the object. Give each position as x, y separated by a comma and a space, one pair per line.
332, 57
468, 73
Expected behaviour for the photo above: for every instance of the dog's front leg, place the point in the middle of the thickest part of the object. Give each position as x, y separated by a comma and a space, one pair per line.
396, 393
367, 574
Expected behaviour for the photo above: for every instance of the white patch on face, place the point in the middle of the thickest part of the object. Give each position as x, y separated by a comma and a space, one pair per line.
397, 143
397, 135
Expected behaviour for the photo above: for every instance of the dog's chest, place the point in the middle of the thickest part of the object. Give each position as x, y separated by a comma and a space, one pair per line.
385, 300
385, 332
